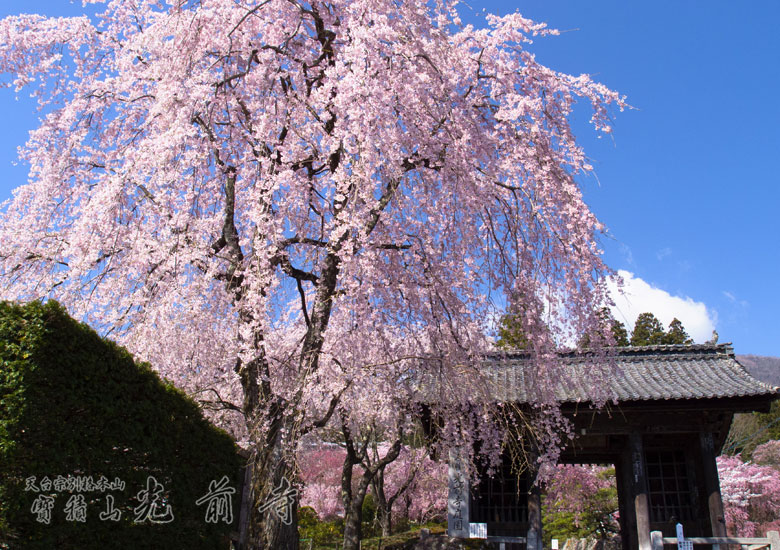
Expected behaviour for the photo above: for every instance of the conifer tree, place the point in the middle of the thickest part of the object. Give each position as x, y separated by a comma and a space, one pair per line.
648, 331
607, 323
619, 333
676, 333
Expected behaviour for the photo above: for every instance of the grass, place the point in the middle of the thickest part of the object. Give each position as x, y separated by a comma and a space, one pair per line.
397, 541
402, 540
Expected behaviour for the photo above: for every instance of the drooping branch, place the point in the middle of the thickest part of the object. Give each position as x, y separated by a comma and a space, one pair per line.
229, 237
218, 402
283, 261
323, 421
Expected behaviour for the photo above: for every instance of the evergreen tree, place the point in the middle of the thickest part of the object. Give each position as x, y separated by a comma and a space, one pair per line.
619, 333
676, 333
648, 331
510, 333
607, 322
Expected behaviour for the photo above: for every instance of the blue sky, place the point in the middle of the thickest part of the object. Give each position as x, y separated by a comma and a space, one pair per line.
688, 185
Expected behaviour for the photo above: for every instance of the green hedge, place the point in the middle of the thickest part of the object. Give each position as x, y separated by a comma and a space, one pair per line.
75, 404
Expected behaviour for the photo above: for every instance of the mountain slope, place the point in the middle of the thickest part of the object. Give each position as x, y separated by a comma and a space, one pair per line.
766, 369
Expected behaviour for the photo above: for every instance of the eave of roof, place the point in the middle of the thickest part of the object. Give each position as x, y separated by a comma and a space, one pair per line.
642, 373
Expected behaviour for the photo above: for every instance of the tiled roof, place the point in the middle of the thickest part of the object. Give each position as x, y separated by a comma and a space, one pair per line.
643, 374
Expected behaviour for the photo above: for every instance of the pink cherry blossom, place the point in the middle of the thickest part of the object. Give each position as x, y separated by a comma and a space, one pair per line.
283, 205
751, 496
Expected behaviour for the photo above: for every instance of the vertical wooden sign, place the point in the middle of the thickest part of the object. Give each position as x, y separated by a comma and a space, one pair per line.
458, 498
639, 490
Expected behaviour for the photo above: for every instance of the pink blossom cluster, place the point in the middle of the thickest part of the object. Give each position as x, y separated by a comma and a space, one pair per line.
320, 469
572, 487
423, 499
751, 493
426, 497
768, 454
281, 205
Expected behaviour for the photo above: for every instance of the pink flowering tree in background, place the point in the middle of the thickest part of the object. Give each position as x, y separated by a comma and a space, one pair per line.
392, 481
321, 476
426, 498
413, 487
751, 494
273, 200
581, 501
767, 454
364, 459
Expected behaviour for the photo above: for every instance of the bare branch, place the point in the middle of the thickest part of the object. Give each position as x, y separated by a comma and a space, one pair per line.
335, 400
224, 404
246, 15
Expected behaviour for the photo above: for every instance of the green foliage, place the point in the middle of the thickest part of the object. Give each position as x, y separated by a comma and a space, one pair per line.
370, 512
676, 334
72, 403
770, 422
407, 538
648, 331
607, 323
595, 520
328, 535
749, 430
619, 333
322, 533
510, 333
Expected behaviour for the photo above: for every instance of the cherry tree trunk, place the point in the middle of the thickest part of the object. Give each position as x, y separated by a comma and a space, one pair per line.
353, 503
273, 518
353, 521
385, 521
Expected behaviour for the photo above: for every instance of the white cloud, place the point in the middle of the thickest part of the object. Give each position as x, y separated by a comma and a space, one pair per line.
639, 296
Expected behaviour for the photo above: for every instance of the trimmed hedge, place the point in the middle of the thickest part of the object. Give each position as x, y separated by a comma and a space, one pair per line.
75, 404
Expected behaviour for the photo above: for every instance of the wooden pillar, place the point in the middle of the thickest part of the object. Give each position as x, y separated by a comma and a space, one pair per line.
534, 534
621, 480
626, 499
638, 484
712, 485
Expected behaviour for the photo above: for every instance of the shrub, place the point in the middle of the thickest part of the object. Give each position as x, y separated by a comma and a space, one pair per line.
75, 404
320, 532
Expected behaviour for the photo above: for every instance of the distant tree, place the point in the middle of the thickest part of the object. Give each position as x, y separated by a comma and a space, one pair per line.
676, 333
321, 475
648, 331
768, 454
414, 479
619, 333
745, 433
580, 502
511, 335
750, 430
607, 324
751, 496
359, 470
770, 422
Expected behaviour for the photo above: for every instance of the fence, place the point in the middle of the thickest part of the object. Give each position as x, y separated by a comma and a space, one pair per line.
503, 541
771, 541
